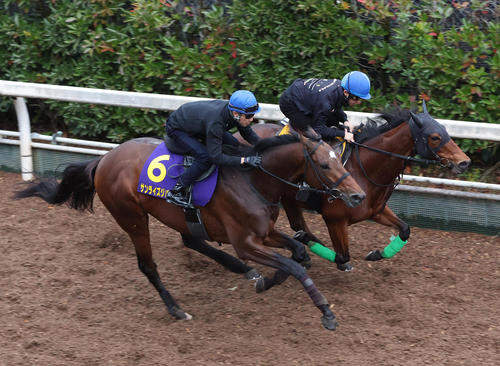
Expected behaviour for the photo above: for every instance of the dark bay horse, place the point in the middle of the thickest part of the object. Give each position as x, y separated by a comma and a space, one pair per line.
402, 136
242, 211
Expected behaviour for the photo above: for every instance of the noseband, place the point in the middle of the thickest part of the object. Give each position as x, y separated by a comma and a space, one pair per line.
332, 190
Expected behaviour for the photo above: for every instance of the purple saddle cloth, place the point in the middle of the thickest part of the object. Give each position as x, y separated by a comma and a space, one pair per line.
160, 172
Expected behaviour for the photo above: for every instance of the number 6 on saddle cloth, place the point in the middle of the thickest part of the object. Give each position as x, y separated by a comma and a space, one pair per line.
160, 172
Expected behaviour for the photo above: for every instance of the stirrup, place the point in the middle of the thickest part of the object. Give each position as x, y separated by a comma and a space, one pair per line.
176, 201
179, 199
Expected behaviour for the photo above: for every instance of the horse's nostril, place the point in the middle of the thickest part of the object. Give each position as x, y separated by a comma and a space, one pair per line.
464, 164
357, 197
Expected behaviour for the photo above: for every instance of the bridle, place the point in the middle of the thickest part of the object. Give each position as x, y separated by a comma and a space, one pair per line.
421, 147
322, 179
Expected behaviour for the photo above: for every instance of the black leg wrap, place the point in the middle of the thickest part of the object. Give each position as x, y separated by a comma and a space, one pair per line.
300, 254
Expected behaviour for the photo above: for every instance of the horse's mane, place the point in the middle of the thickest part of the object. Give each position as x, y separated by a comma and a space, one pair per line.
383, 122
261, 146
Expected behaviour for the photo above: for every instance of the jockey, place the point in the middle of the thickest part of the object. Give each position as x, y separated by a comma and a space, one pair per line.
319, 103
202, 127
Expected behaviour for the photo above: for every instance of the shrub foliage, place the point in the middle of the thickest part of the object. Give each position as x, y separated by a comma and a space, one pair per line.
445, 52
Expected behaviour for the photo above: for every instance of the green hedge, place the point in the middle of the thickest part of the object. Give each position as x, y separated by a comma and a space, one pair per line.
445, 52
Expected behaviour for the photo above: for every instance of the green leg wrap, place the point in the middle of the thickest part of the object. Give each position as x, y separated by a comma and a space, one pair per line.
394, 247
322, 251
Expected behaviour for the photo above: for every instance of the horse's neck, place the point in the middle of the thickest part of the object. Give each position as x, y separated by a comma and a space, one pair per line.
286, 162
398, 141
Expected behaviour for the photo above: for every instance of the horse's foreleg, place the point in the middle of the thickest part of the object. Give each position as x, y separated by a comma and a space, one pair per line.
286, 267
226, 260
340, 242
389, 218
298, 223
294, 212
277, 239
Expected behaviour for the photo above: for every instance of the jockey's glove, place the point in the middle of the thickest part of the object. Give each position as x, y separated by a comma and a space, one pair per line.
253, 161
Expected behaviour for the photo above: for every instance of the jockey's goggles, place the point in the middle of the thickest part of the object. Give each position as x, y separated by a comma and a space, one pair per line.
353, 97
247, 110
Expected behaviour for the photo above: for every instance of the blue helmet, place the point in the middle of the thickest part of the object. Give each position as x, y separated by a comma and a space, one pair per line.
357, 83
243, 101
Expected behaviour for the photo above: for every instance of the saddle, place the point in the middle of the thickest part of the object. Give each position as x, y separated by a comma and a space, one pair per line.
339, 145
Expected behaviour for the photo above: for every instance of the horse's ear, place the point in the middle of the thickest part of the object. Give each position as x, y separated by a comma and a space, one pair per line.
311, 134
416, 119
424, 106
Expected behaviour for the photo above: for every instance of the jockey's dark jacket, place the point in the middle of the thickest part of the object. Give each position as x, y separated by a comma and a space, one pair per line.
322, 100
209, 121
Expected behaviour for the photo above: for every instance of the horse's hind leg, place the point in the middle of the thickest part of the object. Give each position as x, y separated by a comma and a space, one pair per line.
226, 260
135, 224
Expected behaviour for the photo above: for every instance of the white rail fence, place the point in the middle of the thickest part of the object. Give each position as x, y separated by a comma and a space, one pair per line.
270, 112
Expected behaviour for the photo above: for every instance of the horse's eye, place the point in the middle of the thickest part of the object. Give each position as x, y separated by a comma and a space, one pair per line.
435, 138
325, 166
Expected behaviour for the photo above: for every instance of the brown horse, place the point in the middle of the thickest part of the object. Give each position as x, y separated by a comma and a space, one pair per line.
376, 166
242, 211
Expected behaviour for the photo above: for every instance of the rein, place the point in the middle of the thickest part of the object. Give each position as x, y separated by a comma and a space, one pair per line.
393, 184
303, 186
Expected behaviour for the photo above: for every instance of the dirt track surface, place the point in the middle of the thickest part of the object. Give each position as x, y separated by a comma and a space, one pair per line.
71, 294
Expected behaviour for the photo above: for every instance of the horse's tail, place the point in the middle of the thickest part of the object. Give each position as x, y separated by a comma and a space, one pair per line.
76, 187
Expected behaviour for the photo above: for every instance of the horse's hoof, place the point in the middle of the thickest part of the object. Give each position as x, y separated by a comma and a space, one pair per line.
345, 267
301, 236
306, 264
252, 274
262, 284
179, 314
329, 322
374, 255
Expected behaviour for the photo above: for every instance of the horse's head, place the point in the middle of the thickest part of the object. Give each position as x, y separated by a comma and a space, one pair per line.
433, 142
325, 171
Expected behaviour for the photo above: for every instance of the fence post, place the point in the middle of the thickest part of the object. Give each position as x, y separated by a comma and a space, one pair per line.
23, 120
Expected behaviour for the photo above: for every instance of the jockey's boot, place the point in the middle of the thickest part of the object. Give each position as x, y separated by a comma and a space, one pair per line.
179, 195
